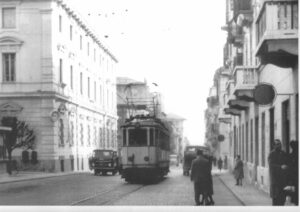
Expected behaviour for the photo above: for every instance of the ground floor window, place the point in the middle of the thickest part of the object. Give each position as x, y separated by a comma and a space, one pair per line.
2, 149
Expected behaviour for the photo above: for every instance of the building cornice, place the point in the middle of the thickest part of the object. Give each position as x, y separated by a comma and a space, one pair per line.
84, 26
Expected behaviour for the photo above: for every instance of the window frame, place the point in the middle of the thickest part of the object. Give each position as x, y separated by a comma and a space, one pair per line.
4, 75
15, 17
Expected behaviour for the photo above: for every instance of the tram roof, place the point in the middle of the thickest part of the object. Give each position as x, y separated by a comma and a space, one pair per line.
144, 121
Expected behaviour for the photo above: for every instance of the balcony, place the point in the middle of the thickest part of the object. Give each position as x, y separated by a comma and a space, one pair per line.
235, 34
242, 12
277, 33
245, 80
223, 117
212, 101
231, 111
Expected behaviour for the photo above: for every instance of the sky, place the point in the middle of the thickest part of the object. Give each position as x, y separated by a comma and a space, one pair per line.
177, 44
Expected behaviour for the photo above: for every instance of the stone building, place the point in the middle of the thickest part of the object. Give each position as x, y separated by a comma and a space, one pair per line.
58, 77
176, 124
261, 50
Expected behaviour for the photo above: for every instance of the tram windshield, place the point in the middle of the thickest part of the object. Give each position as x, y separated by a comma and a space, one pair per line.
137, 137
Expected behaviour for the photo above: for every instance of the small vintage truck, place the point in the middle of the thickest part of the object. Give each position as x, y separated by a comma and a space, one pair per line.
103, 161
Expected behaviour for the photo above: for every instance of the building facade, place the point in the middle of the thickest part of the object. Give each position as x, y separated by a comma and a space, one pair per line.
58, 77
261, 49
177, 131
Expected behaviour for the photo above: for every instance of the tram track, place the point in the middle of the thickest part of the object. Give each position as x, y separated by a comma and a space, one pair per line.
108, 196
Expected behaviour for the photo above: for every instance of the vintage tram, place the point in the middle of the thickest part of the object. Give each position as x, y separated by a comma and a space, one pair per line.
145, 149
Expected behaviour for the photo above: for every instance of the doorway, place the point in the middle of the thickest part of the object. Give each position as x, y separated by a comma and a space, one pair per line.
256, 148
271, 111
285, 125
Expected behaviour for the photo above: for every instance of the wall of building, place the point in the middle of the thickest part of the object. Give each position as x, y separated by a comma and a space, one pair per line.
42, 85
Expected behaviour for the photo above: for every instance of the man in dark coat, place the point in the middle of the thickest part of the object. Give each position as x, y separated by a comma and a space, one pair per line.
278, 173
200, 175
239, 170
211, 190
220, 164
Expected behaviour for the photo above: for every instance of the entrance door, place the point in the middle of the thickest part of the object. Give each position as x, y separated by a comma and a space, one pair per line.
271, 128
256, 148
285, 126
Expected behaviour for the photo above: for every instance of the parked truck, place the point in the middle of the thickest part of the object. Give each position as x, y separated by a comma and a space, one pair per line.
103, 161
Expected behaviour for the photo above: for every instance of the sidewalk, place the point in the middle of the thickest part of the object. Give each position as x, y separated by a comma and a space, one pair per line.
248, 194
29, 175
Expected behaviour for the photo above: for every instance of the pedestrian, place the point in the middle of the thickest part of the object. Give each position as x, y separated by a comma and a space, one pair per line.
278, 173
214, 161
225, 162
239, 170
200, 175
210, 190
220, 163
293, 175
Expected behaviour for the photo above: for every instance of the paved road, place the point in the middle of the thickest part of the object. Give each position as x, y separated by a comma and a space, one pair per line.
87, 189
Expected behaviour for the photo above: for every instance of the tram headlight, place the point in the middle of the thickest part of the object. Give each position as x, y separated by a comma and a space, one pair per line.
146, 158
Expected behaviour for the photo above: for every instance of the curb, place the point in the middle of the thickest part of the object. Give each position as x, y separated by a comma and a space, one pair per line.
37, 177
234, 194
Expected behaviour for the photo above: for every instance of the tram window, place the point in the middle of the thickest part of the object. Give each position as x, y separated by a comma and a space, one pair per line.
151, 137
124, 137
156, 137
137, 137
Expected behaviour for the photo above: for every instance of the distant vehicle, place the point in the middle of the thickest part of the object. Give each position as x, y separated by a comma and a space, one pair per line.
103, 161
145, 150
174, 160
189, 156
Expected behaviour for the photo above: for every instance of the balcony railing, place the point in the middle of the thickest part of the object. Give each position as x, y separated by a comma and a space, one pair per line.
240, 6
277, 20
245, 76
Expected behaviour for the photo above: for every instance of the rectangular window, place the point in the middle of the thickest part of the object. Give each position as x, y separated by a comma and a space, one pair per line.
151, 137
243, 142
9, 67
251, 140
60, 80
88, 48
89, 136
137, 137
95, 136
71, 32
81, 135
95, 91
240, 140
80, 42
88, 81
2, 149
263, 139
81, 84
71, 77
60, 23
71, 133
100, 95
235, 152
124, 137
9, 17
247, 141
